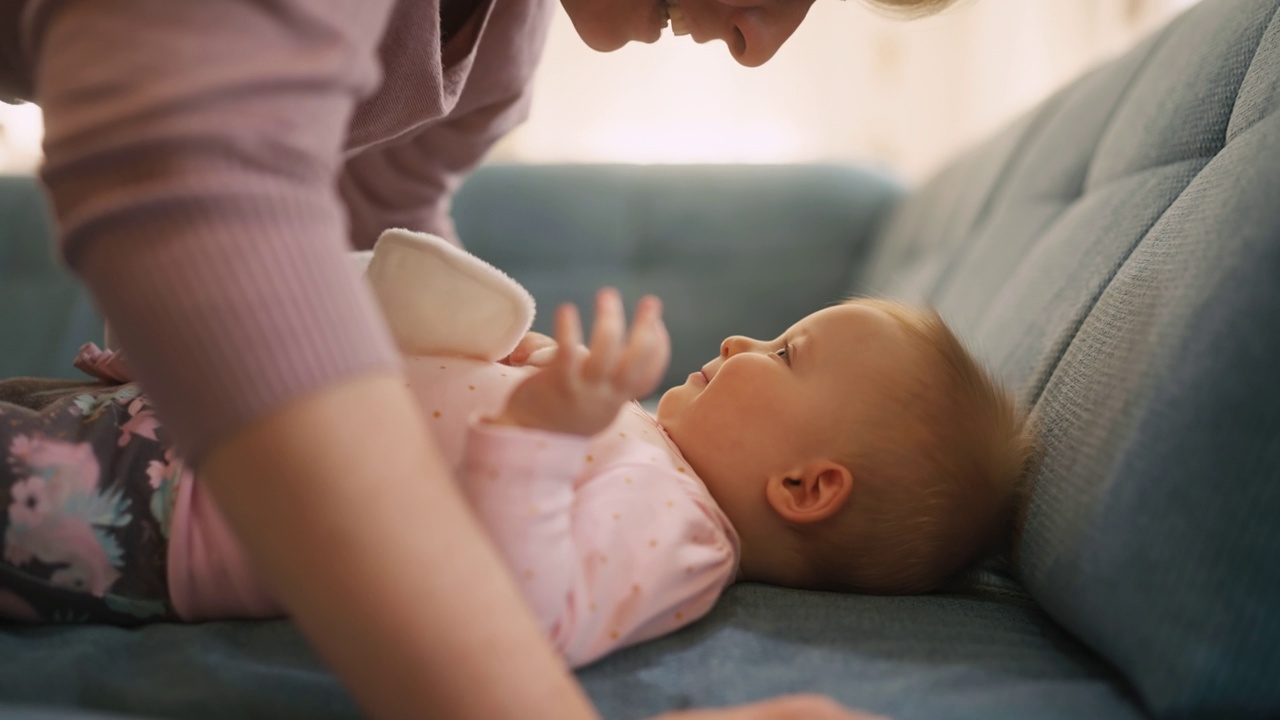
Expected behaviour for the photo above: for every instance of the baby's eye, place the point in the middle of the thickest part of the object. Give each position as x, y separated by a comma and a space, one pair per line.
784, 352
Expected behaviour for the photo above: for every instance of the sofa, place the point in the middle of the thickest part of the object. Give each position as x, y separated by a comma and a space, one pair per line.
1113, 255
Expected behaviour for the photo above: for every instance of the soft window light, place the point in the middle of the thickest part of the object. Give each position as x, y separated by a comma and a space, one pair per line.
21, 130
850, 86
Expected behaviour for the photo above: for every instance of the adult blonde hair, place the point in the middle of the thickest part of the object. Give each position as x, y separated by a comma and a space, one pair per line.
934, 472
910, 8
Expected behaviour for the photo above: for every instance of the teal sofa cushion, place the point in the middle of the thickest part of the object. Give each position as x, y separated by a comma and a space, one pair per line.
1116, 254
730, 252
44, 314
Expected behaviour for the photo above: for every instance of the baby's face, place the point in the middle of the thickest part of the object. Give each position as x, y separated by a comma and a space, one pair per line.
769, 406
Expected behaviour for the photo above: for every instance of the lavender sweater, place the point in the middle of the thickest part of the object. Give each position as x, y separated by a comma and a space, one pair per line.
210, 162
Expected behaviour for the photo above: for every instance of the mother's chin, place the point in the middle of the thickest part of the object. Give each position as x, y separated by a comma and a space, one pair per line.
607, 26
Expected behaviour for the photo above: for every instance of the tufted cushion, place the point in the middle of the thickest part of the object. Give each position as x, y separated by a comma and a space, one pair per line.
44, 315
730, 250
1116, 254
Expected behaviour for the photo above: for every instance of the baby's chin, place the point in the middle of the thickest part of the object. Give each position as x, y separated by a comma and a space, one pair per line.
665, 406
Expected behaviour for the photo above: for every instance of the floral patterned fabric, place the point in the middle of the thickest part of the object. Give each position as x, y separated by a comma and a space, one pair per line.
87, 482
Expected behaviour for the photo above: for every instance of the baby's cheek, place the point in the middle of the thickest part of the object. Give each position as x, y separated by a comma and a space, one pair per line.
746, 398
672, 405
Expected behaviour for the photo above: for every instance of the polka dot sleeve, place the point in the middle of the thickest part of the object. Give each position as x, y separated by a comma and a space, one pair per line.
520, 484
608, 551
652, 555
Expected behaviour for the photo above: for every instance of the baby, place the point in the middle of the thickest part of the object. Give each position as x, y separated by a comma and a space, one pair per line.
863, 450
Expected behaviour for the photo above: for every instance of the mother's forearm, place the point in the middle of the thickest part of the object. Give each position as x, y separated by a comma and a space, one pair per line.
345, 505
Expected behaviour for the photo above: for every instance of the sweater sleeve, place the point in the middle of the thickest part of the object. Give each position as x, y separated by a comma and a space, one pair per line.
409, 184
627, 556
192, 151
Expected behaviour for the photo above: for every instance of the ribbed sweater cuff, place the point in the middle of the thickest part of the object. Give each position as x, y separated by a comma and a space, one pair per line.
231, 308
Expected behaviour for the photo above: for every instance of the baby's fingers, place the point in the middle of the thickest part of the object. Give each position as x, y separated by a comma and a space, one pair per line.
568, 325
648, 350
606, 336
569, 336
533, 344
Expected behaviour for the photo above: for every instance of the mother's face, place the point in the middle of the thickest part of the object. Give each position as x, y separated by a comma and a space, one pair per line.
752, 29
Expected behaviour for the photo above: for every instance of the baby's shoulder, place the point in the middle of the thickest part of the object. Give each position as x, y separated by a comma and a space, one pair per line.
636, 445
642, 473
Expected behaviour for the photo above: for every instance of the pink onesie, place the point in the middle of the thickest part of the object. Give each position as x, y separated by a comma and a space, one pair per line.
613, 539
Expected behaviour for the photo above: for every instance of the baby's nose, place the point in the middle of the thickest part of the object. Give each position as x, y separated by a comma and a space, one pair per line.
734, 345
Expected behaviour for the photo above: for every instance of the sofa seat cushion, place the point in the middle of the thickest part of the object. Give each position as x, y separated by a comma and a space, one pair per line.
984, 654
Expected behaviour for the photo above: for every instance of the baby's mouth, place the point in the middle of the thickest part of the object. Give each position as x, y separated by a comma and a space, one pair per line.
706, 375
675, 14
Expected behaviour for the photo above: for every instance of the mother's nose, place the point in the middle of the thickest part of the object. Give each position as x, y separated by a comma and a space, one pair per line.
755, 34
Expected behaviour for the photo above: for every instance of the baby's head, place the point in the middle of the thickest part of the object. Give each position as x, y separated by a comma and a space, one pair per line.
863, 450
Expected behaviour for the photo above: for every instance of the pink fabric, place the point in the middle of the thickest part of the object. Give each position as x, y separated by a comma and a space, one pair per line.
613, 539
209, 162
210, 577
107, 365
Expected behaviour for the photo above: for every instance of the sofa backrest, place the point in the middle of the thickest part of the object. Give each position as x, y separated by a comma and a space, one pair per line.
44, 313
730, 249
1115, 255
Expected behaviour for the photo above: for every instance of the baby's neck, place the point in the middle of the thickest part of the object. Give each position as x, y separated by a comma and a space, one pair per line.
770, 562
769, 550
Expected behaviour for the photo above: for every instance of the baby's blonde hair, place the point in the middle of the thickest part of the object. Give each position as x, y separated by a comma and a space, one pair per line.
934, 475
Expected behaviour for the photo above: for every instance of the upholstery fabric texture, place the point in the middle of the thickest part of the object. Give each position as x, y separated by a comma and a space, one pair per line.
1114, 254
1121, 272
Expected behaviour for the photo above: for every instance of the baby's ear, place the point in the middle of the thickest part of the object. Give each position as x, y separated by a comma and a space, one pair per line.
811, 492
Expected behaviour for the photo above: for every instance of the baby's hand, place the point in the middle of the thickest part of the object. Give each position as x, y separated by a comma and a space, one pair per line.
581, 390
533, 349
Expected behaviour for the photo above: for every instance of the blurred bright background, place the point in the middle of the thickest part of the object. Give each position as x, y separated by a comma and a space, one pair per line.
851, 86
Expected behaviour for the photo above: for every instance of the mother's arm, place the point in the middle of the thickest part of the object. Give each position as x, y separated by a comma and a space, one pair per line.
191, 156
368, 541
192, 150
